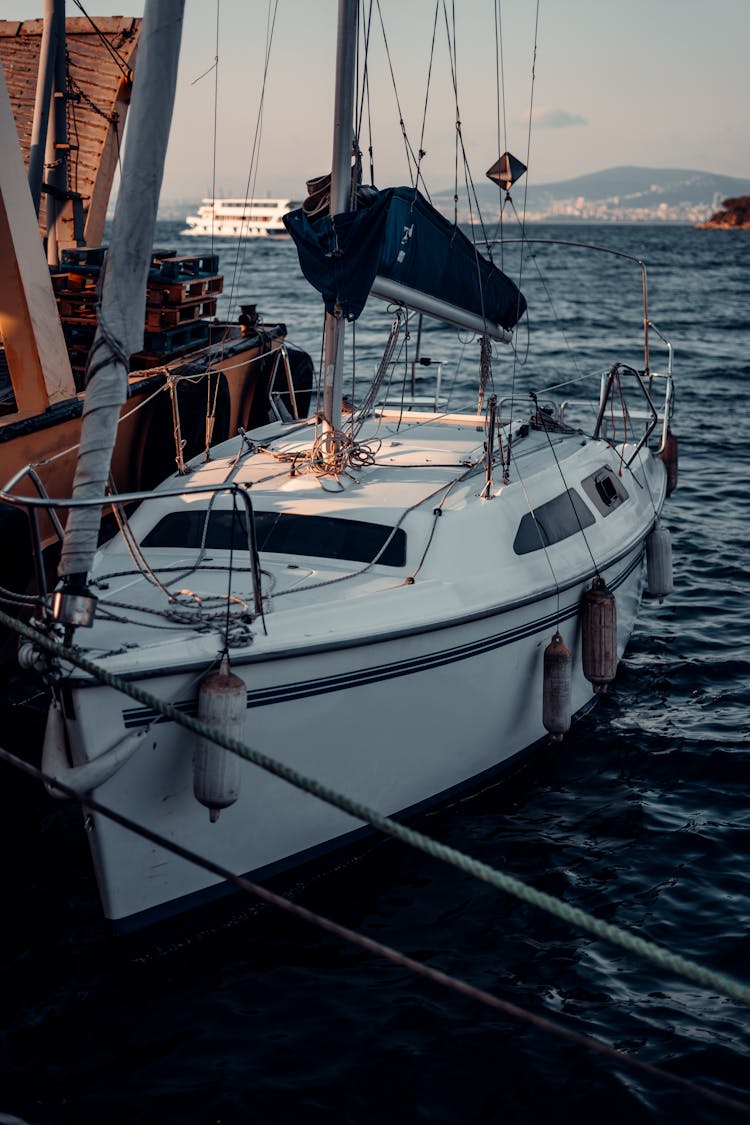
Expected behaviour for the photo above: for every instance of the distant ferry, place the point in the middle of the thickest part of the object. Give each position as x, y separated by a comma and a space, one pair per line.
240, 218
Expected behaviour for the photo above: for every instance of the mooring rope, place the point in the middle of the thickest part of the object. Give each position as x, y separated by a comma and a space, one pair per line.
380, 949
708, 978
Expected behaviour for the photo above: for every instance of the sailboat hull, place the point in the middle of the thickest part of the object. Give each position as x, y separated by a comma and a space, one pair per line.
434, 710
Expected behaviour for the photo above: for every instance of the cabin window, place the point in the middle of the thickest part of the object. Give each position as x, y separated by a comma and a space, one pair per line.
325, 537
605, 490
551, 522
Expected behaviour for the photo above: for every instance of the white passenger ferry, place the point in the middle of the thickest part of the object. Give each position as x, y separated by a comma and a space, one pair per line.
240, 218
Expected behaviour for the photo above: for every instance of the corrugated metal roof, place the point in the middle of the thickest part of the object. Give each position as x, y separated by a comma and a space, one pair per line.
100, 62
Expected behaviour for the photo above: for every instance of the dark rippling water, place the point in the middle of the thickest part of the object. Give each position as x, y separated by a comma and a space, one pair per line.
640, 816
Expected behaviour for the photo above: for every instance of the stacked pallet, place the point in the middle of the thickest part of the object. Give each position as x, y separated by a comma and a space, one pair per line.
181, 296
76, 287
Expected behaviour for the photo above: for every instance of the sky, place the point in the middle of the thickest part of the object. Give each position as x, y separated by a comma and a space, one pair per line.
658, 83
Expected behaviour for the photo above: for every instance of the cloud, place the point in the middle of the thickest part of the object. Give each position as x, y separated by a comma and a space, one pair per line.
557, 118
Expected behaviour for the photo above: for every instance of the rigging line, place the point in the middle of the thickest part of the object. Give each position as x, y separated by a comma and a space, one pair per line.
444, 488
11, 597
543, 419
502, 145
366, 96
544, 545
216, 123
526, 188
437, 512
364, 88
451, 47
720, 982
252, 176
405, 350
410, 157
133, 547
364, 410
468, 179
227, 621
422, 153
212, 403
380, 949
117, 58
71, 127
561, 327
72, 448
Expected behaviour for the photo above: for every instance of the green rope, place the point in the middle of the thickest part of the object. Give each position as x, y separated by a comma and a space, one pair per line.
664, 958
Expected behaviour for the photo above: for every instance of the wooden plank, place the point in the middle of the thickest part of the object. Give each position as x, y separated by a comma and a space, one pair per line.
169, 316
30, 326
178, 293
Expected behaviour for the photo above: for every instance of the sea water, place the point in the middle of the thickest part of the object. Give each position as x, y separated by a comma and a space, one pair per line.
639, 816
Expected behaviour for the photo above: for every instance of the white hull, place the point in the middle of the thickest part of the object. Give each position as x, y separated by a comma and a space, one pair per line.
239, 218
234, 230
392, 680
458, 701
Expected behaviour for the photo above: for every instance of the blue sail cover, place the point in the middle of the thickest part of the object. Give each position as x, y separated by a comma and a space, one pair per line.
400, 236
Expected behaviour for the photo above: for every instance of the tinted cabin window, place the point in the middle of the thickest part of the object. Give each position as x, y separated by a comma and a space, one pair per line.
323, 537
551, 522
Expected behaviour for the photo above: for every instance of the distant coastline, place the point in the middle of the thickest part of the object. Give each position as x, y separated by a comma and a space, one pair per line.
629, 194
734, 215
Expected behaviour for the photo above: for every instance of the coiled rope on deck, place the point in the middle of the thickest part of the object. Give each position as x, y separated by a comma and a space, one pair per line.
708, 978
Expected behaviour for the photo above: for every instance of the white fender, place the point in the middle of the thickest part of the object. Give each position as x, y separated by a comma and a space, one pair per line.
83, 778
659, 562
222, 706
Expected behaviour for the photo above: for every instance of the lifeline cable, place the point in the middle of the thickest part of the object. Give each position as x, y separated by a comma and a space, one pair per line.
708, 978
371, 945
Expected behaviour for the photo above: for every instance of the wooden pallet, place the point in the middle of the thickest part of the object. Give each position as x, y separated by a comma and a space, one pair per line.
159, 317
183, 268
84, 259
180, 293
76, 305
160, 292
172, 341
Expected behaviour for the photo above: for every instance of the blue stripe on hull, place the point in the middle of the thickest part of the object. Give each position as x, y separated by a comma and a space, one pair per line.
138, 716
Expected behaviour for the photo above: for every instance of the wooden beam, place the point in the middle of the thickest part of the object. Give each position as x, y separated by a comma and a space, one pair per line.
32, 335
102, 187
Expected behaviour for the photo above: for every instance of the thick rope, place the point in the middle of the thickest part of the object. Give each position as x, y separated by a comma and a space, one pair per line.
664, 958
380, 949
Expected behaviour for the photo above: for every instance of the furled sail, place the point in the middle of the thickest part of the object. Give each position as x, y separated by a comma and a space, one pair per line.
397, 246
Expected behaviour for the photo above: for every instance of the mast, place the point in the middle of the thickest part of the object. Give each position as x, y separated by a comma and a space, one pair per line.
341, 186
56, 152
54, 23
121, 315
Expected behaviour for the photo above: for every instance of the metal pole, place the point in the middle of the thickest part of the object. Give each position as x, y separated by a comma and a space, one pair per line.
57, 148
41, 102
343, 135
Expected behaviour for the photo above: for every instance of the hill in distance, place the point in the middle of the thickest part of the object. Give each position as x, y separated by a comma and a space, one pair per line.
624, 194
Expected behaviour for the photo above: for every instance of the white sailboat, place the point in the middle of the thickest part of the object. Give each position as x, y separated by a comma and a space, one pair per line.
394, 602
